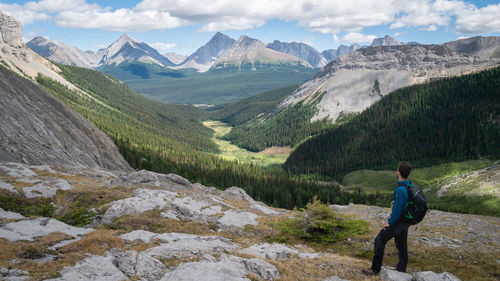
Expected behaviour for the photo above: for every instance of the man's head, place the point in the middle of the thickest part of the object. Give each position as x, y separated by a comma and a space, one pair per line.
404, 169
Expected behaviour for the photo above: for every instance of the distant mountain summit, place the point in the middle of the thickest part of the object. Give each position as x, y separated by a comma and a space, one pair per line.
248, 54
63, 53
332, 54
175, 57
300, 50
122, 50
206, 55
127, 48
386, 41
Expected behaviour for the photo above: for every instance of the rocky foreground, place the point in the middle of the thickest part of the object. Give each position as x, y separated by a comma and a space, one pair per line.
148, 226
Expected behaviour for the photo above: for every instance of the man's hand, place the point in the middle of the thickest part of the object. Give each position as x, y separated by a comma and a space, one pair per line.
386, 224
392, 204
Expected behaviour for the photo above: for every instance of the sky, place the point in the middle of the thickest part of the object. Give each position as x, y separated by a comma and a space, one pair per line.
182, 26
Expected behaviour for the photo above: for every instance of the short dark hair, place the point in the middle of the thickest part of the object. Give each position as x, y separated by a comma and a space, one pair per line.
404, 169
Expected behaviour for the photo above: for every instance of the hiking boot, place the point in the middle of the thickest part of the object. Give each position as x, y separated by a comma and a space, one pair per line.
369, 271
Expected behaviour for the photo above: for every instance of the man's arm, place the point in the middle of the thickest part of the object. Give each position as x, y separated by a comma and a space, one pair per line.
397, 206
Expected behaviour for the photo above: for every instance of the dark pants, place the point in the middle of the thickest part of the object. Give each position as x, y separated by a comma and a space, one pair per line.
400, 233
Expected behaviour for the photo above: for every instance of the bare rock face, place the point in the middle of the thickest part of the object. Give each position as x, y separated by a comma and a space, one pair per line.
38, 129
10, 31
347, 84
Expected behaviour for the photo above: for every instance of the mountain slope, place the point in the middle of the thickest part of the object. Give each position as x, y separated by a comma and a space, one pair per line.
62, 53
248, 54
385, 41
332, 54
206, 55
356, 80
38, 129
175, 58
447, 120
127, 48
300, 50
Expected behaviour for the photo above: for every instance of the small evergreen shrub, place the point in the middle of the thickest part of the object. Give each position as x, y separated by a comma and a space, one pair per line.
319, 224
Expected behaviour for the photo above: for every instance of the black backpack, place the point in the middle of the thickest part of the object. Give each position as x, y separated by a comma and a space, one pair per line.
416, 208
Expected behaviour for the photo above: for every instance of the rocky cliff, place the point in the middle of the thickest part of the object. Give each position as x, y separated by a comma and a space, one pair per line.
38, 129
348, 83
149, 226
300, 50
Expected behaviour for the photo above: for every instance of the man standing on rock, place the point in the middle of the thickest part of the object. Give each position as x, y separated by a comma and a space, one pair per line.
394, 227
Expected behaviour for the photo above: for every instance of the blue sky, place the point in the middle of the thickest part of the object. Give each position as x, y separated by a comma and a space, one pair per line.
184, 25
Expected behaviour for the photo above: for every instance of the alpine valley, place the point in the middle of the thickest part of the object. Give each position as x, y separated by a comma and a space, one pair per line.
245, 160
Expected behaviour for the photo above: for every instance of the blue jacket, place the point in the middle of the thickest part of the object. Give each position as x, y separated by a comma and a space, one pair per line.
400, 201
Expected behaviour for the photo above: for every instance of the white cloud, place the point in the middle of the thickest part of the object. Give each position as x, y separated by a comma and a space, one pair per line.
475, 21
462, 37
324, 16
162, 47
400, 33
354, 37
123, 20
429, 28
335, 39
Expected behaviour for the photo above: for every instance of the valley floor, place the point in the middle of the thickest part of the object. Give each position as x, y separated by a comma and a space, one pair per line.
231, 152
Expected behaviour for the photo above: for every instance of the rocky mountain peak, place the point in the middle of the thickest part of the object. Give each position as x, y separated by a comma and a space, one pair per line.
10, 31
386, 41
206, 55
300, 50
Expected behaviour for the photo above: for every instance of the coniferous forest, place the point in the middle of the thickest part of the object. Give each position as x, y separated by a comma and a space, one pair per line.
170, 139
452, 119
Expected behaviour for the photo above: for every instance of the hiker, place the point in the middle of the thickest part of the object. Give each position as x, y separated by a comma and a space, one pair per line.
395, 227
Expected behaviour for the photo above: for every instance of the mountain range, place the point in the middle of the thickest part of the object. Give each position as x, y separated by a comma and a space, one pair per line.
220, 50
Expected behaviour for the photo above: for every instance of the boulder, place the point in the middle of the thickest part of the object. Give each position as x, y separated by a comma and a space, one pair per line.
228, 268
135, 264
143, 200
16, 170
276, 251
47, 188
238, 219
7, 186
432, 276
239, 193
29, 229
393, 275
10, 215
98, 268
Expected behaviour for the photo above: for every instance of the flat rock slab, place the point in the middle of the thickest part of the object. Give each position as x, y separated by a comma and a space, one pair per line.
149, 178
334, 278
143, 200
238, 219
276, 251
191, 209
16, 170
93, 268
8, 186
29, 229
48, 188
228, 268
10, 215
393, 275
432, 276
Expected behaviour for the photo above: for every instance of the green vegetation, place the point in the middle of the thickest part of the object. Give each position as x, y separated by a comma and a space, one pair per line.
318, 223
78, 217
212, 87
168, 139
453, 119
26, 206
246, 109
235, 154
285, 128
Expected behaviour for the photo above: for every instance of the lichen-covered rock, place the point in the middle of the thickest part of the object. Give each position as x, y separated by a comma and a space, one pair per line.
16, 170
136, 264
48, 188
239, 193
276, 251
393, 275
10, 215
228, 268
238, 219
143, 200
29, 229
149, 178
7, 186
432, 276
95, 268
190, 209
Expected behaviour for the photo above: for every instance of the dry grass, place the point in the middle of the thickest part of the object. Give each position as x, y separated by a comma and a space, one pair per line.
322, 267
97, 242
152, 221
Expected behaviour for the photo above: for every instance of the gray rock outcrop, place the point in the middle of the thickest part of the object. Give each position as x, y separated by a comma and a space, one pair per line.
432, 276
38, 129
29, 229
346, 85
385, 41
393, 275
10, 31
